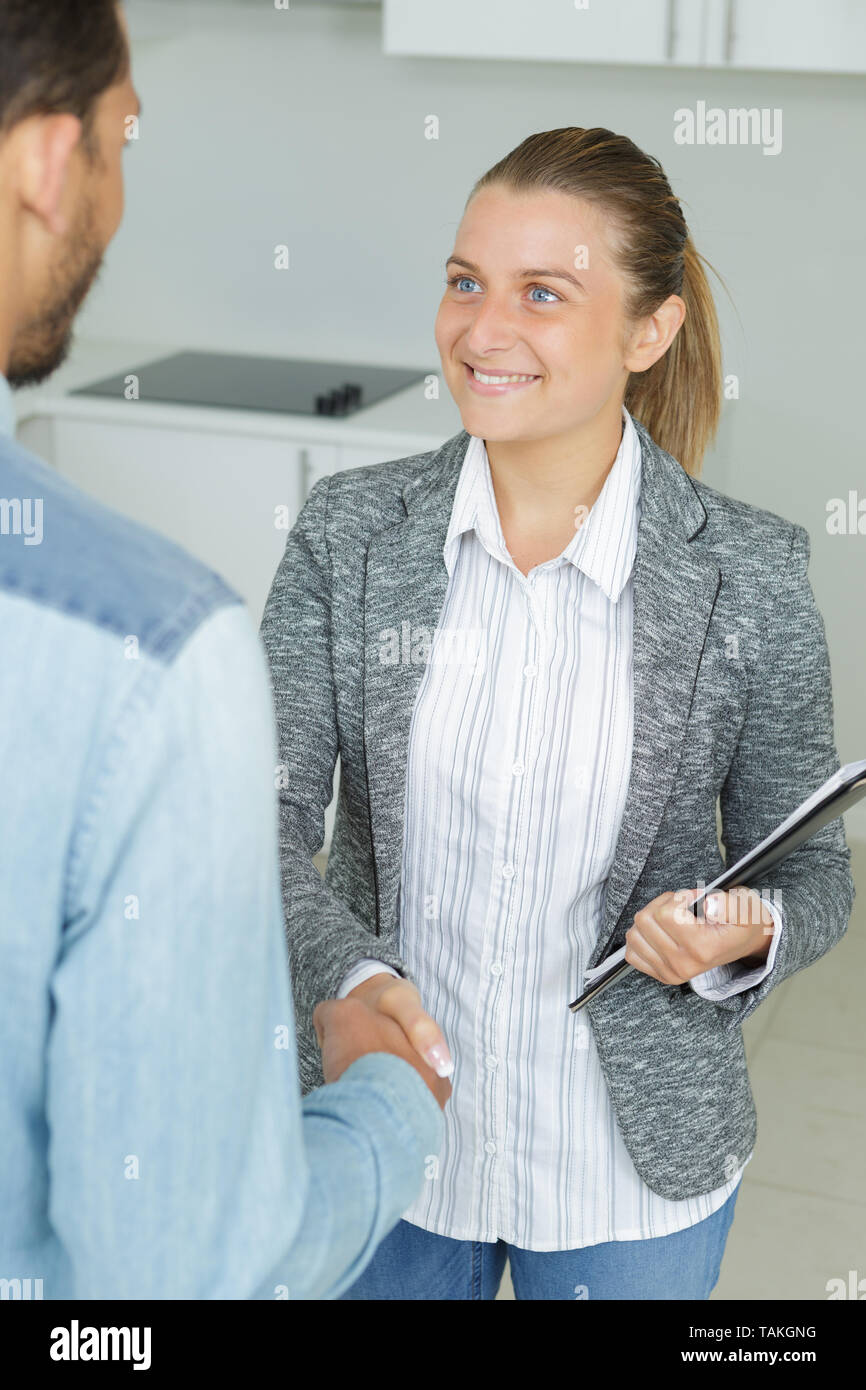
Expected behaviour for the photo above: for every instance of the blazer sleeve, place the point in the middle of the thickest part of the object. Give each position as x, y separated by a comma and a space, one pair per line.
325, 939
785, 751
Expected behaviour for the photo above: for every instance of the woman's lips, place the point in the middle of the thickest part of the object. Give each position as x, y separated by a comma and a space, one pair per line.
494, 387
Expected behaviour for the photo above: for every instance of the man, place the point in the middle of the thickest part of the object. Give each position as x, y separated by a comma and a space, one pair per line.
153, 1142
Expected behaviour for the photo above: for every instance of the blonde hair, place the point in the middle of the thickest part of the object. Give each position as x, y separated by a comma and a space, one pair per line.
678, 399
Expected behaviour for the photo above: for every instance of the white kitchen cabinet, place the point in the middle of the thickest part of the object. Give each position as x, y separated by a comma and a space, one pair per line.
169, 19
792, 35
212, 479
626, 31
361, 456
215, 494
226, 487
225, 484
317, 465
797, 35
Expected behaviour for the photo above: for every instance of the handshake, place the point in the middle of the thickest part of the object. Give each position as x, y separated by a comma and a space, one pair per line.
383, 1014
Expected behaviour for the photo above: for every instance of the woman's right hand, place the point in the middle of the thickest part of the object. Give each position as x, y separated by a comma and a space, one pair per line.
399, 1000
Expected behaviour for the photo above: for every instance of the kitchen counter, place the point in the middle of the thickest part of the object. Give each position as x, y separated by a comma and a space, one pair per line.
404, 420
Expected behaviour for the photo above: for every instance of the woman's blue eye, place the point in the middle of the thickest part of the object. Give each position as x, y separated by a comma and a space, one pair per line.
460, 281
544, 290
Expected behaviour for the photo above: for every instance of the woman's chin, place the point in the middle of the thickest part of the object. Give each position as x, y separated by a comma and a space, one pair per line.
484, 424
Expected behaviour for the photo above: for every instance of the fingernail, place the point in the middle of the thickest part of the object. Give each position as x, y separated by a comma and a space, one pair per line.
712, 908
439, 1058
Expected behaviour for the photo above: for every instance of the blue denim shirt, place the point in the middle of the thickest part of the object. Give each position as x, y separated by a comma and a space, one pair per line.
153, 1140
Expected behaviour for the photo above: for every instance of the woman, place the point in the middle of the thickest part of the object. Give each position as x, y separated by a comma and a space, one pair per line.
544, 653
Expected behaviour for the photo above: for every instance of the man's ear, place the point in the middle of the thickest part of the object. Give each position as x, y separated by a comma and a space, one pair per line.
46, 145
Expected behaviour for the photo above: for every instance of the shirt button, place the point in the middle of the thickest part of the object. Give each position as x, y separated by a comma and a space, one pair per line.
496, 969
508, 871
490, 1147
518, 769
492, 1062
530, 671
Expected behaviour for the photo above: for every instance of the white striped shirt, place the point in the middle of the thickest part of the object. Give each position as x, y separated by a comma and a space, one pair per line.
518, 769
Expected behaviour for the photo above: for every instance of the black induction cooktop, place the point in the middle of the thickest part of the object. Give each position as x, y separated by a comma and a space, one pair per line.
292, 386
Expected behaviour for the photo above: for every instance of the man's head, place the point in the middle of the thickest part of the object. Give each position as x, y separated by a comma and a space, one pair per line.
66, 95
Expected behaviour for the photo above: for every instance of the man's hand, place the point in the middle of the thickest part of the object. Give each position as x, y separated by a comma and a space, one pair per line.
349, 1028
668, 942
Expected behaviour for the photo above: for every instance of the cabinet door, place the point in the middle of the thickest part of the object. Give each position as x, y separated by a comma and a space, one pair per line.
798, 35
628, 31
318, 463
228, 499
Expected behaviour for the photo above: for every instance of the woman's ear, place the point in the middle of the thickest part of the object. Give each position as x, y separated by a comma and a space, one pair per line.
654, 334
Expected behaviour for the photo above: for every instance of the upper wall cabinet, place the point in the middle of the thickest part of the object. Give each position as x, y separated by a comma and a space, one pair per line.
791, 35
624, 31
798, 35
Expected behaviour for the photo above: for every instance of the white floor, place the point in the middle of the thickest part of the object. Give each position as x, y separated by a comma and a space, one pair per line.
801, 1215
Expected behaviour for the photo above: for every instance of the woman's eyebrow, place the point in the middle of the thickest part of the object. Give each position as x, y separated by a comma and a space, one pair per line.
554, 275
523, 274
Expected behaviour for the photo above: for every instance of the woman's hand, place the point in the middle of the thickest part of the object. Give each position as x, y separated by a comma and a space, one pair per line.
399, 1000
668, 942
346, 1030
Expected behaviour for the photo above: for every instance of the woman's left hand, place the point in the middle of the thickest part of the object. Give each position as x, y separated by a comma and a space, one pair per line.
670, 943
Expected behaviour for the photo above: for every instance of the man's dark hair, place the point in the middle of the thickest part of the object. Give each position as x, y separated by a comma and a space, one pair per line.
58, 56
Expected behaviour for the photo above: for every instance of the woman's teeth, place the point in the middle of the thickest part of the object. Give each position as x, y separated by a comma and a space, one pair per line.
498, 380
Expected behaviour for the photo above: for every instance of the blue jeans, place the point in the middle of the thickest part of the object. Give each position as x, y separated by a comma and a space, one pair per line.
412, 1263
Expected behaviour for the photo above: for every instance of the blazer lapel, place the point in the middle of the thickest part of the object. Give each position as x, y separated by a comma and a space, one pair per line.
406, 585
675, 589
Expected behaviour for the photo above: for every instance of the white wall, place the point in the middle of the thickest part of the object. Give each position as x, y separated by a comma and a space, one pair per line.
300, 131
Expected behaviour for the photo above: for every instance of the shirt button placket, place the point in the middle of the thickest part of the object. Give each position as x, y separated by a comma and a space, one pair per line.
496, 1078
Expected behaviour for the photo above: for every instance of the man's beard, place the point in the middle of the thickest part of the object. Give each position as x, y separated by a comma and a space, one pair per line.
43, 343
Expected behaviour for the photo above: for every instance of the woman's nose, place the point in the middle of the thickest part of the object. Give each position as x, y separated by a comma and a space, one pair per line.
492, 328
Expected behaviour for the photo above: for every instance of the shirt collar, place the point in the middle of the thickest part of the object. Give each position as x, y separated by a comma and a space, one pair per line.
603, 547
7, 408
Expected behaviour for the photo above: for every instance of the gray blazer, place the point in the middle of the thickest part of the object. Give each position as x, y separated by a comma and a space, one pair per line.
732, 700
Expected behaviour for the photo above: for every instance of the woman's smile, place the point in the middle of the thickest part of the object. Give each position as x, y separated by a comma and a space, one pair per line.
497, 383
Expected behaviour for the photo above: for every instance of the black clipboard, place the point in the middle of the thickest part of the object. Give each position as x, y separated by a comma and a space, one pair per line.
837, 795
